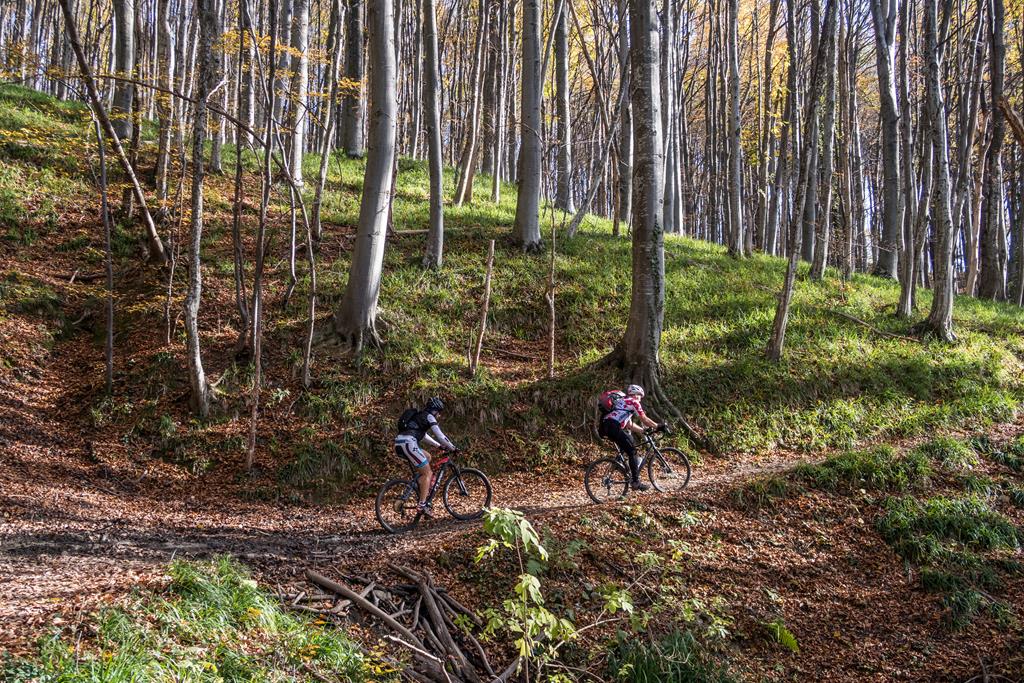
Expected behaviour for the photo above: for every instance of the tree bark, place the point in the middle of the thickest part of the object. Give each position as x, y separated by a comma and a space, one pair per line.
356, 317
352, 104
992, 272
124, 66
209, 31
883, 13
435, 242
737, 239
527, 222
300, 87
563, 193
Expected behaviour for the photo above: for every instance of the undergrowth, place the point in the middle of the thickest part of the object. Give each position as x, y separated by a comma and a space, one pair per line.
211, 624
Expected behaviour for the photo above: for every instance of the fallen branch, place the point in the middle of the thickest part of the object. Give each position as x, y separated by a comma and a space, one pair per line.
883, 333
363, 603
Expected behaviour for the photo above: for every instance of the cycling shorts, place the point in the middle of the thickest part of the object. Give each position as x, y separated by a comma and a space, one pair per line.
407, 447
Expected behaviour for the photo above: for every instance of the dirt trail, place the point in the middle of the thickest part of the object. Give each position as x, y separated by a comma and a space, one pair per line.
76, 532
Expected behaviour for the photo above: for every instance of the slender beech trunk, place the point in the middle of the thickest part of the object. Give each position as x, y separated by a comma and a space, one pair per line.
992, 272
300, 87
940, 319
157, 253
526, 230
809, 151
209, 31
737, 239
356, 317
330, 118
563, 193
352, 106
164, 104
435, 242
884, 12
124, 66
625, 155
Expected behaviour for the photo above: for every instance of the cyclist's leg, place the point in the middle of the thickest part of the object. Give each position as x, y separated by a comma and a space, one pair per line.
411, 450
624, 441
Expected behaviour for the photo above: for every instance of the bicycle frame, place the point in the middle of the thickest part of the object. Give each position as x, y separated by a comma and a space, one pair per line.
443, 465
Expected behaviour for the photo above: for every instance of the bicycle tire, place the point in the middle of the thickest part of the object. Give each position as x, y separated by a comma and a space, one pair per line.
468, 484
669, 470
606, 480
396, 506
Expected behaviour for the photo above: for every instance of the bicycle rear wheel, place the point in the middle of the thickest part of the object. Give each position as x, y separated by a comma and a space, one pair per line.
669, 470
466, 494
606, 480
397, 506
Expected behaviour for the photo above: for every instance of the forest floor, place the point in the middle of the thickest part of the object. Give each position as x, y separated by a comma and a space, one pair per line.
98, 493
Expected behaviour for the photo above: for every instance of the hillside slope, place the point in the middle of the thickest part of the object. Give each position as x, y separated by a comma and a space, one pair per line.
100, 491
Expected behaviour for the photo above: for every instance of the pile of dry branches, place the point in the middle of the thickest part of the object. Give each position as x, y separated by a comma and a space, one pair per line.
418, 616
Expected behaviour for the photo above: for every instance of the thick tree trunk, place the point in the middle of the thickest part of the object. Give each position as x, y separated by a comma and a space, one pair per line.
883, 13
356, 317
526, 230
638, 351
432, 115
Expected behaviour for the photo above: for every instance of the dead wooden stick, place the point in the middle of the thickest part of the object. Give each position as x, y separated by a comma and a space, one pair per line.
507, 673
363, 603
890, 335
483, 317
440, 629
459, 607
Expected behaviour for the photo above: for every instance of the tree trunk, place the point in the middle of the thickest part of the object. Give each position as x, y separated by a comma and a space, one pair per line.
625, 155
940, 319
124, 66
435, 242
352, 105
164, 104
826, 45
883, 12
563, 193
527, 223
992, 273
637, 353
356, 317
737, 239
209, 31
300, 87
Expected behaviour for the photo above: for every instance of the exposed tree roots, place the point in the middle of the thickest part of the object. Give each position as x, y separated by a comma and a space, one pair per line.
656, 402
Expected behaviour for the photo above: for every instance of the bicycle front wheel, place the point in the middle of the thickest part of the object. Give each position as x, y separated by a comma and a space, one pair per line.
606, 480
397, 506
669, 470
466, 494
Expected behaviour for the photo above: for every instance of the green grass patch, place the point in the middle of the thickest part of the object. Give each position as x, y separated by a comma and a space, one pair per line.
950, 453
876, 469
678, 657
760, 493
212, 623
320, 468
962, 545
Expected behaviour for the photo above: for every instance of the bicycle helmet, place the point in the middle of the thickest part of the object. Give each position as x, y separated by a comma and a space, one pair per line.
434, 405
635, 390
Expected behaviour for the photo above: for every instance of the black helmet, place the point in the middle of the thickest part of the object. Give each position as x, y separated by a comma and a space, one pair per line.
435, 405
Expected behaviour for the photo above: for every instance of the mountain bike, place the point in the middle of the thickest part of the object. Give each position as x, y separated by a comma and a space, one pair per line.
465, 492
668, 469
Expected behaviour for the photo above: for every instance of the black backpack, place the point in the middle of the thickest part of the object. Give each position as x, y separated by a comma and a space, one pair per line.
407, 420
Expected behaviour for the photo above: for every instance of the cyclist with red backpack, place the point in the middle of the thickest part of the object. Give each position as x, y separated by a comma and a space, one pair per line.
618, 410
413, 426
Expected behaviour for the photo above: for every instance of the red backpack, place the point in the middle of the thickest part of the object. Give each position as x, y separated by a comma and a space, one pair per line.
606, 403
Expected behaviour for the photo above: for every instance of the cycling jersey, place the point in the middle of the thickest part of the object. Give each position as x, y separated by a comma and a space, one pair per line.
624, 409
419, 426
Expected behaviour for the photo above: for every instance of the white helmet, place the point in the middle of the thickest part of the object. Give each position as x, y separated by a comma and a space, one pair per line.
635, 390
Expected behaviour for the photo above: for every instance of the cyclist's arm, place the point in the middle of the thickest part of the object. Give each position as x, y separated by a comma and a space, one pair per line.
427, 439
647, 422
441, 439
